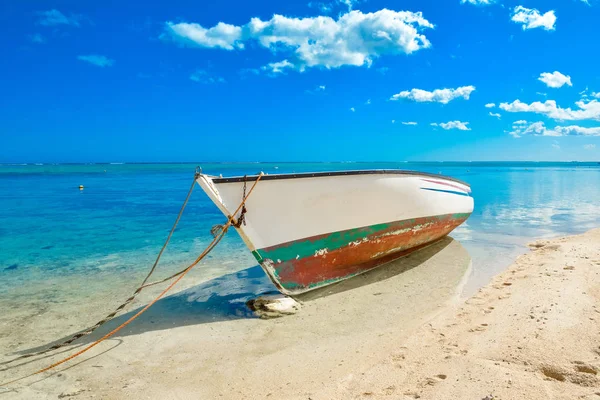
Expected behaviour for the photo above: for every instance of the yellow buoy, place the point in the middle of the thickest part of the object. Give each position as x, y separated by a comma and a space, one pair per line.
80, 187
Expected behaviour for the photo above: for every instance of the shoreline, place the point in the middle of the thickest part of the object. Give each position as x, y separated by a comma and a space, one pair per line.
401, 332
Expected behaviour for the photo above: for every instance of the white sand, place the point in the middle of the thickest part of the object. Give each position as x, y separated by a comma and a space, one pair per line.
400, 333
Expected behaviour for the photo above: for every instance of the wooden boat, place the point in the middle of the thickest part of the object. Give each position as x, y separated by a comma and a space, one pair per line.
309, 230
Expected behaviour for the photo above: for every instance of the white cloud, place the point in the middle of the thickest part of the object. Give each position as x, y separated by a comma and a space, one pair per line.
393, 121
368, 102
316, 90
542, 94
478, 2
490, 105
531, 18
539, 129
98, 60
495, 115
54, 18
556, 146
353, 39
277, 67
443, 96
555, 79
352, 109
411, 123
462, 126
349, 3
202, 76
596, 95
589, 146
326, 8
520, 122
587, 109
224, 36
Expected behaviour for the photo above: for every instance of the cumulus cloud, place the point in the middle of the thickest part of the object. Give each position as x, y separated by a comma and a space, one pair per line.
531, 18
411, 123
596, 95
462, 126
224, 36
495, 115
490, 105
277, 67
555, 79
354, 38
443, 96
352, 109
54, 18
539, 129
478, 2
202, 76
587, 109
98, 60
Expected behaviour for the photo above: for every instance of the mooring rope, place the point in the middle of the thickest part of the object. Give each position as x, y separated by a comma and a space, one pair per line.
230, 221
143, 285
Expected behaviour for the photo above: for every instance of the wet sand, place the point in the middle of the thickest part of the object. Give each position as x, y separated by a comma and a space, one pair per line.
401, 332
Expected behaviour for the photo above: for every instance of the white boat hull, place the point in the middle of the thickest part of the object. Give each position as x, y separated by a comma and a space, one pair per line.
309, 230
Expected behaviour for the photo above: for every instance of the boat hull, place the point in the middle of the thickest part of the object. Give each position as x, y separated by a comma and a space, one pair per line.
311, 230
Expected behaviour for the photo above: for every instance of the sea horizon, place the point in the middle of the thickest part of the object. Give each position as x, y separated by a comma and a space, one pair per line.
301, 162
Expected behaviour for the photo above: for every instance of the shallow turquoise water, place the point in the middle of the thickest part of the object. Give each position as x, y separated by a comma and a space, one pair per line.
117, 224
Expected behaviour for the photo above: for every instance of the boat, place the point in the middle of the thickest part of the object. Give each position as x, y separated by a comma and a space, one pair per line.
309, 230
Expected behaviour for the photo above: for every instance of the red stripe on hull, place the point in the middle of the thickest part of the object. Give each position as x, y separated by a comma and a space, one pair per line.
303, 274
448, 184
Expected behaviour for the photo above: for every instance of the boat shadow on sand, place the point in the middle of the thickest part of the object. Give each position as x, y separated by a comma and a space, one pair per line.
224, 298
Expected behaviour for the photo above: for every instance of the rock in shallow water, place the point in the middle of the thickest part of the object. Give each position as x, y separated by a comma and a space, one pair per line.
273, 306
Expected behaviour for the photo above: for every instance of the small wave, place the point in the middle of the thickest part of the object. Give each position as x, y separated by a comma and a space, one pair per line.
116, 163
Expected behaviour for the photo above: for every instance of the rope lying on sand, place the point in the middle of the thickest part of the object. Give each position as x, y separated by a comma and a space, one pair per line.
230, 221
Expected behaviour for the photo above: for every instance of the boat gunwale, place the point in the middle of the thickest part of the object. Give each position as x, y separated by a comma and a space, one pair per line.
250, 178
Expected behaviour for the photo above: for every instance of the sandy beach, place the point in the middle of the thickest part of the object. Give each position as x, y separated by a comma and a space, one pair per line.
398, 332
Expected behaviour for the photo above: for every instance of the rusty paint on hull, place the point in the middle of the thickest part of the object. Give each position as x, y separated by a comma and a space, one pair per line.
306, 264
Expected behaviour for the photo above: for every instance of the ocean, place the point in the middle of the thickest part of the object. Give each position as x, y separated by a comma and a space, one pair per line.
78, 241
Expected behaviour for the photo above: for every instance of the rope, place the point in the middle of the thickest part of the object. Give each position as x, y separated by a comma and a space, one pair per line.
181, 274
143, 285
242, 218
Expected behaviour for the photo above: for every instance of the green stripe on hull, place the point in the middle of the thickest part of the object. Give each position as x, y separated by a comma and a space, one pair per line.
302, 248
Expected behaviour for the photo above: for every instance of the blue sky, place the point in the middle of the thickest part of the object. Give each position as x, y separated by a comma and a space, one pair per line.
330, 80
